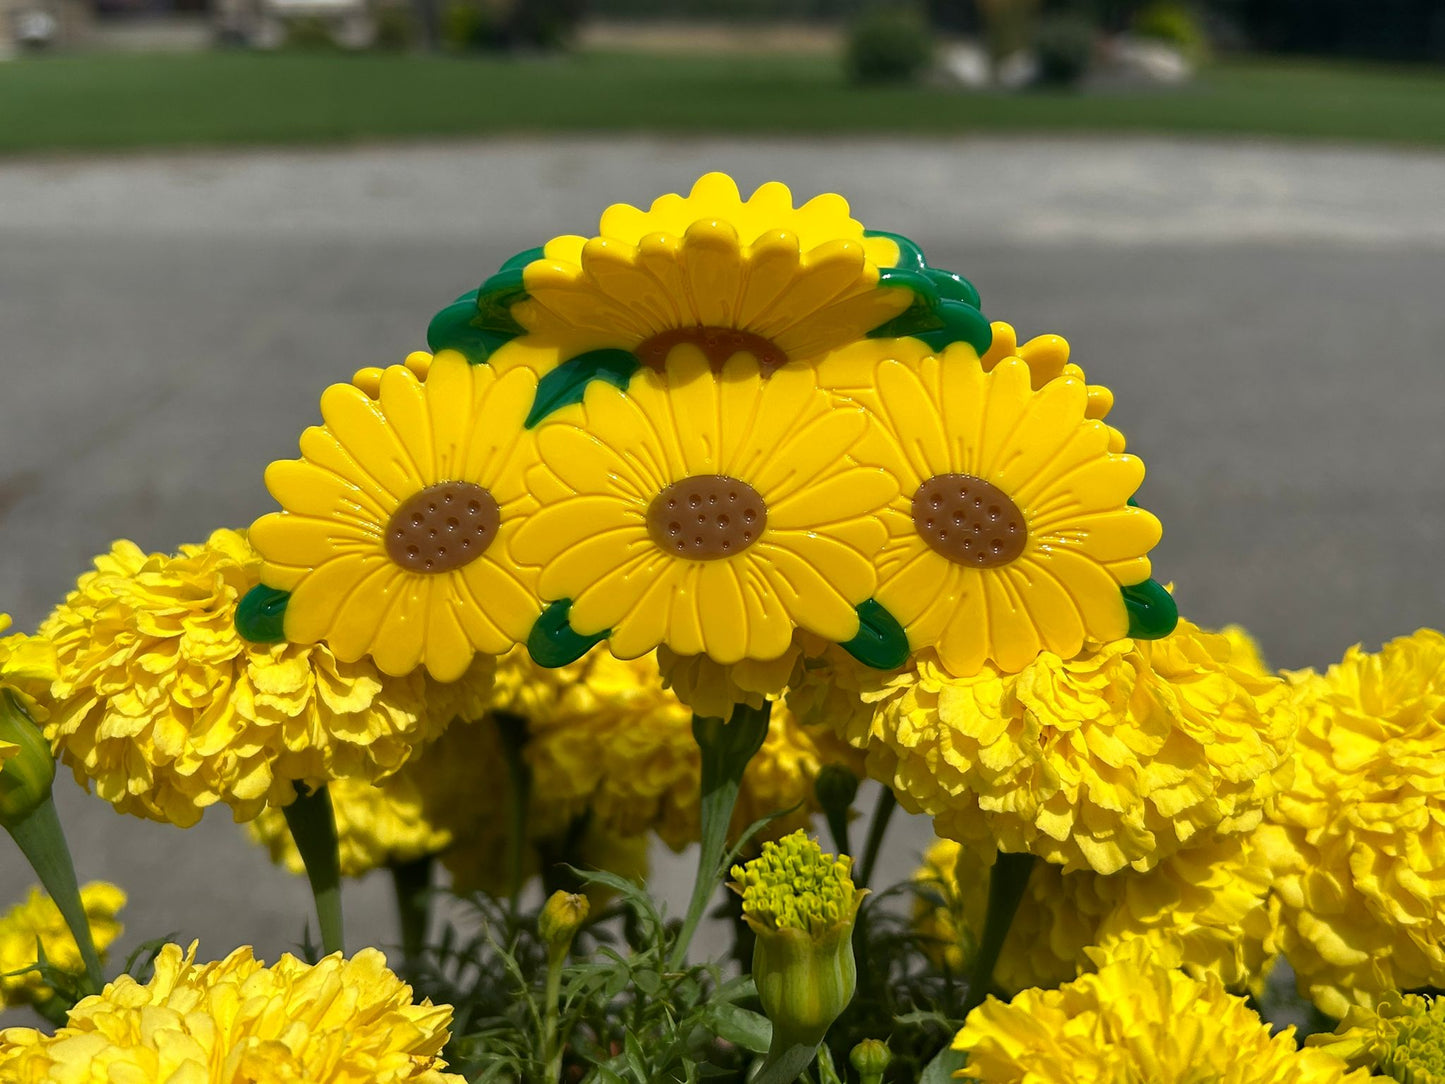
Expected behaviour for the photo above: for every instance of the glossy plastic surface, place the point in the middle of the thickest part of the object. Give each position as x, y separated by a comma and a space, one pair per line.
715, 423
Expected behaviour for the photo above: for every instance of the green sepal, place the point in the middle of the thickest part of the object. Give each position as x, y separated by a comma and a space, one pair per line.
1152, 610
567, 383
881, 642
458, 327
523, 258
552, 641
480, 321
944, 310
261, 615
910, 255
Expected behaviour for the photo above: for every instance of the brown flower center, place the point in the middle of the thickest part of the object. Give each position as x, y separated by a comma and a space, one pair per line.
443, 527
970, 521
717, 344
706, 517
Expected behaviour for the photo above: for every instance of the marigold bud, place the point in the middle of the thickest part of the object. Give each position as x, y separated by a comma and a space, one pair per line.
26, 767
562, 916
871, 1059
801, 903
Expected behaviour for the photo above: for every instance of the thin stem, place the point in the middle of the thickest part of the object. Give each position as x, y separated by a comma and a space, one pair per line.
514, 736
313, 826
412, 882
786, 1065
877, 829
1006, 885
42, 840
726, 748
552, 994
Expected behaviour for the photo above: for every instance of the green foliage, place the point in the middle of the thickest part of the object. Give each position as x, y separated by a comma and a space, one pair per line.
625, 1015
1175, 24
472, 26
309, 33
888, 45
1065, 47
395, 28
110, 101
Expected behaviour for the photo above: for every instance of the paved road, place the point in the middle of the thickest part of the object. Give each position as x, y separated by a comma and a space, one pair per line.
1270, 318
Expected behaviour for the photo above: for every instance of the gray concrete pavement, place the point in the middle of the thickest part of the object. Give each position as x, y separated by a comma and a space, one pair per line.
1269, 317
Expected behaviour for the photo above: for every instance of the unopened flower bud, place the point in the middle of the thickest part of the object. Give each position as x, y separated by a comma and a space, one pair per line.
836, 787
26, 767
562, 916
801, 903
871, 1059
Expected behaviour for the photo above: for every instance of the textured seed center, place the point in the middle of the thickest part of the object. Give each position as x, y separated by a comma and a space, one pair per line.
706, 517
717, 344
970, 521
443, 527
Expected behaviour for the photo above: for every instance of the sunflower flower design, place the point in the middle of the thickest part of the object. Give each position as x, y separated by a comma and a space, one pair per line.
397, 517
1012, 532
710, 269
711, 512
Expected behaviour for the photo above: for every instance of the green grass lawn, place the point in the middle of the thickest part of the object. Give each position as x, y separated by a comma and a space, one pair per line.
86, 102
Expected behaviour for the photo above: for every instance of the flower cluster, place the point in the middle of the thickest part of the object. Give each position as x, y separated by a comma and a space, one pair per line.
716, 426
793, 885
34, 930
1358, 838
27, 667
334, 1022
1134, 1020
1115, 757
162, 705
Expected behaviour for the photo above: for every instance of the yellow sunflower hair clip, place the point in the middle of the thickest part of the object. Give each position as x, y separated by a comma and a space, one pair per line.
713, 425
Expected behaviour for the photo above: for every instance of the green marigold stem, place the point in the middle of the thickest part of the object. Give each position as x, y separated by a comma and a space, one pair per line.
313, 826
877, 829
726, 749
514, 735
1005, 892
42, 840
412, 882
786, 1065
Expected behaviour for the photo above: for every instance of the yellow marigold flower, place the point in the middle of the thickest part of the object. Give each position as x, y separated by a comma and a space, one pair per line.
709, 271
397, 519
712, 690
1402, 1037
1205, 908
1358, 840
338, 1021
1011, 532
27, 667
710, 512
801, 904
164, 708
1113, 758
604, 737
1135, 1020
39, 920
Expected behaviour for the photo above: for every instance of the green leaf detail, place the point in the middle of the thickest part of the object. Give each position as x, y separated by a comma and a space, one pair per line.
457, 327
552, 642
941, 1069
1152, 610
522, 259
936, 317
261, 615
910, 255
480, 321
567, 383
881, 642
954, 287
